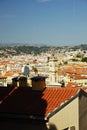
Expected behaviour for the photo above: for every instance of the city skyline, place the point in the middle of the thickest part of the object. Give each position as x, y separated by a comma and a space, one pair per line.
49, 22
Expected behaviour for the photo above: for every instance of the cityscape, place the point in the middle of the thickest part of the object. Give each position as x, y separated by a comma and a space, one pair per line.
57, 78
43, 65
63, 65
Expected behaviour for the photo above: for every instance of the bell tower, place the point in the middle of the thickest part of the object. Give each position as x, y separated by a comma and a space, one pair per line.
53, 68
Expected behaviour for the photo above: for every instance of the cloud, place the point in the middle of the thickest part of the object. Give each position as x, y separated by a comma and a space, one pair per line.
43, 1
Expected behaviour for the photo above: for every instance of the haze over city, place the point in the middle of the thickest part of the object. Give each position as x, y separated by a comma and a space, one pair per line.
50, 22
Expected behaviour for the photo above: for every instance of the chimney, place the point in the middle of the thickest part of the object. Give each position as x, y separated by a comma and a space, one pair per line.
22, 81
38, 83
19, 81
15, 82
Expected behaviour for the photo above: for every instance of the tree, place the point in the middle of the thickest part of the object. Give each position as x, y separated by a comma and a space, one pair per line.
84, 59
34, 69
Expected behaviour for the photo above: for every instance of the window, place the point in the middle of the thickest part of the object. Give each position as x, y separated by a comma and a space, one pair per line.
72, 128
66, 129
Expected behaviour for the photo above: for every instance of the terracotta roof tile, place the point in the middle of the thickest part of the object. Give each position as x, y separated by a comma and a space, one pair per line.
25, 101
11, 73
71, 85
79, 77
57, 96
2, 77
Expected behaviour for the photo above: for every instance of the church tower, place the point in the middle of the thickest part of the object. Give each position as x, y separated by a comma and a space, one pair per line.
53, 69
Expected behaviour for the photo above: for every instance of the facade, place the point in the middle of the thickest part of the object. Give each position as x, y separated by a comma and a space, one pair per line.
80, 80
67, 117
53, 70
3, 81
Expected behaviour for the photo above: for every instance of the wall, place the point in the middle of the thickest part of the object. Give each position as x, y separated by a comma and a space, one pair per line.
67, 117
83, 112
81, 81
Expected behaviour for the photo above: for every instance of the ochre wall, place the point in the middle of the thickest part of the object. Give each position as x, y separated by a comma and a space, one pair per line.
83, 112
67, 117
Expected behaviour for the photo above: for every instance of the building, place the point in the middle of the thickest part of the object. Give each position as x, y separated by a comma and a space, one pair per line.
53, 70
43, 109
3, 81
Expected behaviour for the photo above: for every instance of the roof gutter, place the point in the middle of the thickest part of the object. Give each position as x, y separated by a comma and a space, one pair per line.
22, 116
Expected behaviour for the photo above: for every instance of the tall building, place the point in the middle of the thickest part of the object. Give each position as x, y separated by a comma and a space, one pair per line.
53, 69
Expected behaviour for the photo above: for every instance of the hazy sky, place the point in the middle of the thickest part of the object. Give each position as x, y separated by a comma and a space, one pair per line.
50, 22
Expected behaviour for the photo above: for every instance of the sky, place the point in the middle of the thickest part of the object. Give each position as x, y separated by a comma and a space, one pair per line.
48, 22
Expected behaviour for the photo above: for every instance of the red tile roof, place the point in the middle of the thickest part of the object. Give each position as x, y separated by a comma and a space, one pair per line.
76, 77
75, 70
25, 101
56, 96
12, 73
2, 77
71, 85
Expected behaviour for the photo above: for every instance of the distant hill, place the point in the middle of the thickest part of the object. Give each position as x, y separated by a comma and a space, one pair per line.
22, 49
82, 47
17, 49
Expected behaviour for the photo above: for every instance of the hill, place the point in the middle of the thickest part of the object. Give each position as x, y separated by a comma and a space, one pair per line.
7, 50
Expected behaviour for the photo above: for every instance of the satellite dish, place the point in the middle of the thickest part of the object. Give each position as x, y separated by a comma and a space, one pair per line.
25, 70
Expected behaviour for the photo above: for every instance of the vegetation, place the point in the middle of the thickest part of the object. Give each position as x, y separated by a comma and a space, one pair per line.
34, 69
17, 50
82, 47
75, 60
84, 59
7, 50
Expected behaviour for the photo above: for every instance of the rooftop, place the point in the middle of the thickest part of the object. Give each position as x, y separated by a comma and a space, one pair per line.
23, 100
